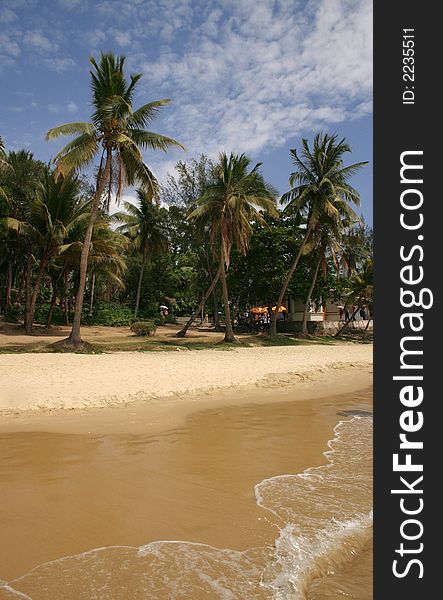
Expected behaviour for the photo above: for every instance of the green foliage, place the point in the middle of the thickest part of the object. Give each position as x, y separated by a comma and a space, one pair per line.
170, 319
110, 314
58, 316
14, 314
144, 328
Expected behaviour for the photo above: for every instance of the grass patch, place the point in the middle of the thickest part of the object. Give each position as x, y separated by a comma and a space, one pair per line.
153, 344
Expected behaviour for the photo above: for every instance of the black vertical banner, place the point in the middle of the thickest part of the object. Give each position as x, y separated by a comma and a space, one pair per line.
408, 171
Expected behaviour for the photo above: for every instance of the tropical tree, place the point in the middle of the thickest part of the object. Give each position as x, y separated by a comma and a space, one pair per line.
231, 202
143, 223
319, 187
115, 136
20, 181
55, 207
361, 292
4, 165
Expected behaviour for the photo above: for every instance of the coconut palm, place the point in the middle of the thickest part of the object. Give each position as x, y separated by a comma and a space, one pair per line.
20, 180
319, 187
324, 243
143, 224
4, 166
231, 203
361, 292
115, 137
53, 210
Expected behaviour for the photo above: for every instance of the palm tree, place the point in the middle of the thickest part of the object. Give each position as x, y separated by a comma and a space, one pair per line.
143, 224
54, 208
319, 187
361, 292
115, 136
20, 181
230, 203
325, 242
4, 166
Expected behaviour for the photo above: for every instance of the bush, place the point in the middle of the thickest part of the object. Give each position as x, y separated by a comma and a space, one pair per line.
160, 320
58, 316
171, 319
109, 314
14, 314
144, 328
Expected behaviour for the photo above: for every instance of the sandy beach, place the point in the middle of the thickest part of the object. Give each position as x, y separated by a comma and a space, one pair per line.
165, 477
71, 381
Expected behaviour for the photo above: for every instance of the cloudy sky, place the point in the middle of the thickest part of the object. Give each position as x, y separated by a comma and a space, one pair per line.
250, 76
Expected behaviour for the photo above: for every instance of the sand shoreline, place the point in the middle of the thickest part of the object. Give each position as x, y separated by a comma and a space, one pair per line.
48, 382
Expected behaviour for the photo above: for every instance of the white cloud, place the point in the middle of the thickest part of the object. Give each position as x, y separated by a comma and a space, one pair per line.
123, 38
9, 46
251, 80
37, 41
7, 15
59, 65
70, 4
70, 107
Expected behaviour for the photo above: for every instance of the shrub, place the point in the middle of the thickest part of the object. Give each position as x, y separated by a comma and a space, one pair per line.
14, 314
58, 316
172, 319
144, 327
109, 314
160, 320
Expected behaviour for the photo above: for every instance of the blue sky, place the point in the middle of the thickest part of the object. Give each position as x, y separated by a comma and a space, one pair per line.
243, 75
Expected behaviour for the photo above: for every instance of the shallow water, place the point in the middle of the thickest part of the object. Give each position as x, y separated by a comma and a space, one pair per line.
266, 501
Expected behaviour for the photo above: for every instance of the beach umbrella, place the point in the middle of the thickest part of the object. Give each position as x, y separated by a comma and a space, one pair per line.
259, 310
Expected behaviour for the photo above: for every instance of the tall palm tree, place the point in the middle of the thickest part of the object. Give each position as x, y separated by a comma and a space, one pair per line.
361, 291
115, 137
4, 166
54, 208
143, 224
319, 187
230, 203
324, 243
20, 181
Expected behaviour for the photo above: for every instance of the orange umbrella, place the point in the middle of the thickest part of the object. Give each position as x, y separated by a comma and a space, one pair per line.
282, 308
259, 310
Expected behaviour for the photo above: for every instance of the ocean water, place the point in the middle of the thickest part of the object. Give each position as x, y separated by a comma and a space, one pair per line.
322, 548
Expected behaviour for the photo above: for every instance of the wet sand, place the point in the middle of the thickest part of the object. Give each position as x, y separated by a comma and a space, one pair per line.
130, 475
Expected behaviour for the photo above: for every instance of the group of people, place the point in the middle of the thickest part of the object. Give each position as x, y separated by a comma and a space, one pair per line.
355, 313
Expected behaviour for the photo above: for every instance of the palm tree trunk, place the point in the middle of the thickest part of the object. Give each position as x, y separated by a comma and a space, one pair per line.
8, 287
229, 332
91, 301
194, 315
37, 284
273, 329
52, 307
347, 322
28, 288
308, 299
75, 336
139, 288
217, 326
366, 328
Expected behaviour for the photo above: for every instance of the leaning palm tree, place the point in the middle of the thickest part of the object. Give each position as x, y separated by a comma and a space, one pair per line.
319, 187
361, 292
4, 165
115, 137
324, 244
231, 203
143, 224
54, 209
